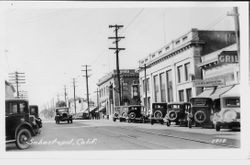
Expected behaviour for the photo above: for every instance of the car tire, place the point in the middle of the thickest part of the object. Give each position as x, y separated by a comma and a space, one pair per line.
189, 124
168, 123
217, 127
23, 138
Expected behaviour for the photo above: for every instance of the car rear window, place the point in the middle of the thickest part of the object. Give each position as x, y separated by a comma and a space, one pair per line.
232, 102
200, 102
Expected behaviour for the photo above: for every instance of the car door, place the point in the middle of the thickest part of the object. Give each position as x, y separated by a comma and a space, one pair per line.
12, 119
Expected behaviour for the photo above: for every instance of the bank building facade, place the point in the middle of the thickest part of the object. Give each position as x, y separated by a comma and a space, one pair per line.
175, 72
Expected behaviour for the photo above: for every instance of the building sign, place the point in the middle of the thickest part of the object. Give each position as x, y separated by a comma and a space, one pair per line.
228, 57
208, 83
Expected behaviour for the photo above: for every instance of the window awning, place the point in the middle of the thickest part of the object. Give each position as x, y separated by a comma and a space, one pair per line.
234, 91
102, 109
206, 93
215, 93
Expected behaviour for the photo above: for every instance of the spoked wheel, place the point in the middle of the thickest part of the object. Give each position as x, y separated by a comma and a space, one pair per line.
23, 138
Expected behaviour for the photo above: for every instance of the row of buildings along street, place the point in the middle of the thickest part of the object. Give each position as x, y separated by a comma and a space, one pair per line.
183, 95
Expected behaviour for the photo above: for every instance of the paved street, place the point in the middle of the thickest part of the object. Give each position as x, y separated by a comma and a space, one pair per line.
109, 135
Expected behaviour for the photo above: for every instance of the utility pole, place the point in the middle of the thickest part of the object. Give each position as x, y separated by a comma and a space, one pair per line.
17, 78
65, 95
117, 49
87, 84
145, 87
74, 87
97, 100
235, 14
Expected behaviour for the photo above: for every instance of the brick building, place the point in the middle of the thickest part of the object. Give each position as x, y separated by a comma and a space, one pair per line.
108, 90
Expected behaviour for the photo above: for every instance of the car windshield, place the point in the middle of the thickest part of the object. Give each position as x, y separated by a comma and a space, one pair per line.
134, 108
232, 102
175, 106
201, 102
159, 106
62, 110
33, 110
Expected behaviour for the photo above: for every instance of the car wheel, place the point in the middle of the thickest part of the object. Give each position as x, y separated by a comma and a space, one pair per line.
189, 124
217, 127
168, 123
23, 138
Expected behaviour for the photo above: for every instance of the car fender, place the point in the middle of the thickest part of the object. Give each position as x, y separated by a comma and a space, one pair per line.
25, 125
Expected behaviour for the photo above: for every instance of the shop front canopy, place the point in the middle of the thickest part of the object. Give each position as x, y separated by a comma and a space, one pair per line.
234, 91
215, 93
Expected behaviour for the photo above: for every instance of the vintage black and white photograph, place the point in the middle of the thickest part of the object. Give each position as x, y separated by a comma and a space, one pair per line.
114, 78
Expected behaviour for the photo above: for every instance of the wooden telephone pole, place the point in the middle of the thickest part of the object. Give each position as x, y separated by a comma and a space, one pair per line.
117, 49
87, 83
17, 78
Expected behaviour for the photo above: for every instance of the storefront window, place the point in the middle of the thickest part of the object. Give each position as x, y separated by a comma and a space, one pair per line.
187, 71
179, 73
189, 94
156, 88
181, 95
162, 87
169, 86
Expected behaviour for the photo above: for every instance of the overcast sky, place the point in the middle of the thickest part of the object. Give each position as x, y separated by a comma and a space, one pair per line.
50, 45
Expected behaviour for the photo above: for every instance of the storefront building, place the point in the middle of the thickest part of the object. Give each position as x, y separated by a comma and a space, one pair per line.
108, 90
9, 90
172, 70
222, 68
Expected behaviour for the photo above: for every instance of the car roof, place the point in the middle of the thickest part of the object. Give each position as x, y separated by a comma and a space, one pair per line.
62, 107
181, 103
16, 99
33, 105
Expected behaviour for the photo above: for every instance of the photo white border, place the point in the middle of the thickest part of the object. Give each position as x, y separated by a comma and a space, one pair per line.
242, 153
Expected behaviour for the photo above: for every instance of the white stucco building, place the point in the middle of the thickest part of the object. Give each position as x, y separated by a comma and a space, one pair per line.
172, 70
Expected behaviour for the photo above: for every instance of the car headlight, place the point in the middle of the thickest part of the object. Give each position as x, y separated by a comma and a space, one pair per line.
229, 115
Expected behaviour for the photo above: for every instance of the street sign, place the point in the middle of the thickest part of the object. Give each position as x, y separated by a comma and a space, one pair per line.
207, 83
228, 57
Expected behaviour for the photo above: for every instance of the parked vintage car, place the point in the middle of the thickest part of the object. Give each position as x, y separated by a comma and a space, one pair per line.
201, 111
136, 114
35, 112
226, 112
62, 114
177, 113
159, 111
120, 113
18, 127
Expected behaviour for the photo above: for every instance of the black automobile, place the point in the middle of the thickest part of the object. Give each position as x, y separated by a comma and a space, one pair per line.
177, 113
120, 113
201, 111
136, 114
159, 111
62, 114
19, 127
35, 112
